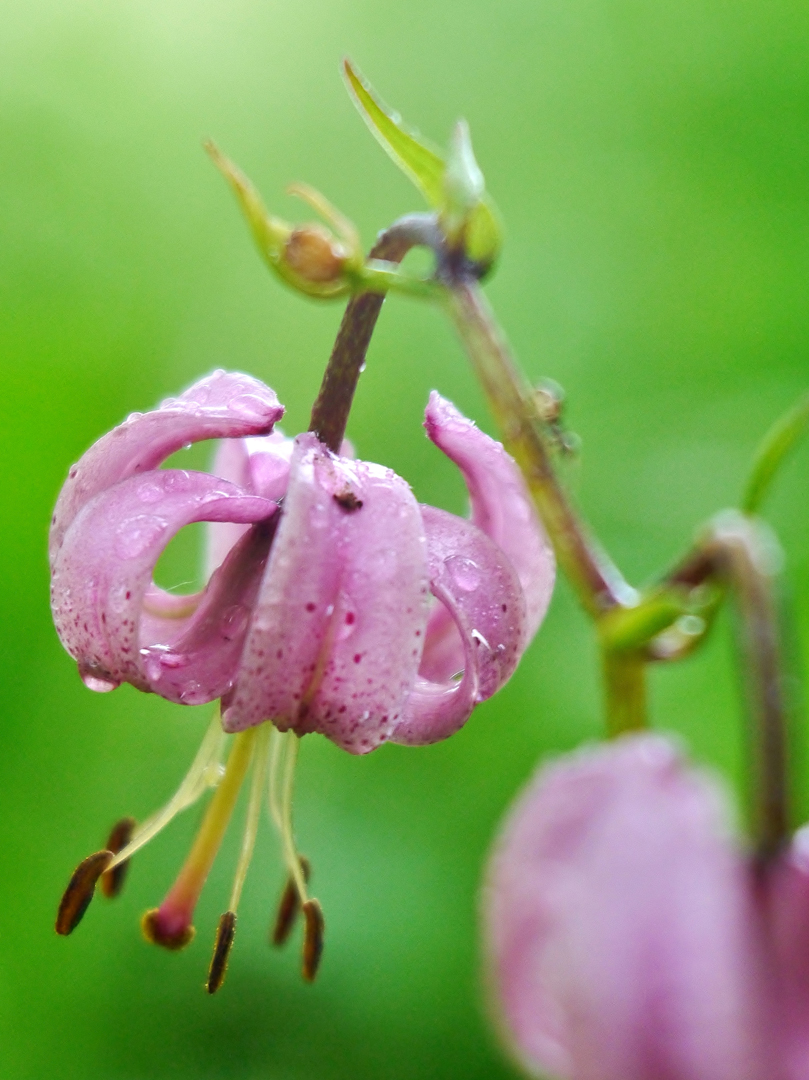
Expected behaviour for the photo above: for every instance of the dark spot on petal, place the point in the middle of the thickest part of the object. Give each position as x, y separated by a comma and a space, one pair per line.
310, 606
350, 618
357, 657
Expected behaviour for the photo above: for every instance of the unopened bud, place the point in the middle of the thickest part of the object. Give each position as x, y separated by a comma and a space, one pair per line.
312, 254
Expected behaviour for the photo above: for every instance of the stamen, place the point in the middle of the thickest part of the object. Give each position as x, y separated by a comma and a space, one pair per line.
291, 856
171, 922
289, 906
205, 772
221, 952
112, 881
312, 939
261, 761
79, 892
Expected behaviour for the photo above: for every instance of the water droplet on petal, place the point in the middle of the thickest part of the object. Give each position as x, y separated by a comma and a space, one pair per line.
153, 668
234, 621
176, 479
137, 534
463, 572
249, 406
93, 680
193, 694
151, 490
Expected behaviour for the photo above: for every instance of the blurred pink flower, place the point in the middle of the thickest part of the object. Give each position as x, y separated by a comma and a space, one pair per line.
317, 612
628, 935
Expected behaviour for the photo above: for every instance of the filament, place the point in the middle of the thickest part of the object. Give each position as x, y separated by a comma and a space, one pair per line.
204, 773
261, 762
184, 893
291, 856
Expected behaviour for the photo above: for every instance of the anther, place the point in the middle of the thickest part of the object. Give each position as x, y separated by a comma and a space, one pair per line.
156, 933
80, 889
289, 905
112, 881
221, 951
312, 939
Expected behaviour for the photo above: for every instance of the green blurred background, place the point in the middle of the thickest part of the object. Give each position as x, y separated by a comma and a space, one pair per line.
651, 166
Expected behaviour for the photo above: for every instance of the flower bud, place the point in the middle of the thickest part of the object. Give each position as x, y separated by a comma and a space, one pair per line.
313, 254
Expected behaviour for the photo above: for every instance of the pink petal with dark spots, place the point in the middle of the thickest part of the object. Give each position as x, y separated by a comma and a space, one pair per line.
108, 613
222, 405
477, 586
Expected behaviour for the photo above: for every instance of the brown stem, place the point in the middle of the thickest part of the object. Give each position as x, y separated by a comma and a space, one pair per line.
333, 403
740, 555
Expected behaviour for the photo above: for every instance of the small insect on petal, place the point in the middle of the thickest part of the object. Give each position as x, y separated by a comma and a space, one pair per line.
221, 951
289, 905
80, 889
112, 881
312, 939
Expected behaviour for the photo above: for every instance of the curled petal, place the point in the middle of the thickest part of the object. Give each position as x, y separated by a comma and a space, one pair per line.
501, 504
336, 635
619, 925
259, 465
222, 405
478, 587
102, 575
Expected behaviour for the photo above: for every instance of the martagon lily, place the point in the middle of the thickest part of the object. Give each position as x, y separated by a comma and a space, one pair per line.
335, 604
630, 936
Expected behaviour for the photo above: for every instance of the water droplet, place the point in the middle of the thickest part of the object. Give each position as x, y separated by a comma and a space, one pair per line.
137, 535
153, 668
176, 479
234, 621
151, 490
249, 406
463, 572
193, 694
94, 680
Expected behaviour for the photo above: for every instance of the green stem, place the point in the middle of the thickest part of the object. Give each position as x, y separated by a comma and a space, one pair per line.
597, 581
771, 452
625, 690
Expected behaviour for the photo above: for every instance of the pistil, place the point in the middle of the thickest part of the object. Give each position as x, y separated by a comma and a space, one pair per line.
170, 924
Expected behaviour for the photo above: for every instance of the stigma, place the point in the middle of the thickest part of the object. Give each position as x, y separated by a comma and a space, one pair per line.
222, 766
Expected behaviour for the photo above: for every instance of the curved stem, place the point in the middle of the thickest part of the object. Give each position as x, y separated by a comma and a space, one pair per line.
598, 583
333, 403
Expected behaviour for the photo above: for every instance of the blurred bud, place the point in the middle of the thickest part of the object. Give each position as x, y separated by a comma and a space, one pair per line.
309, 257
463, 183
311, 253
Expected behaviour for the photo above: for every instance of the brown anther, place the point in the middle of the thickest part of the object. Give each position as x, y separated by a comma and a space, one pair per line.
312, 939
221, 951
112, 881
80, 889
348, 500
312, 253
289, 905
156, 935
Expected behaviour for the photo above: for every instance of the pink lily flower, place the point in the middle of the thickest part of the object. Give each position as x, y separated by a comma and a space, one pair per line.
335, 603
628, 935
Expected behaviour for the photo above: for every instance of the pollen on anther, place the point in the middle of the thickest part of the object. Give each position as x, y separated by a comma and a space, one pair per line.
219, 961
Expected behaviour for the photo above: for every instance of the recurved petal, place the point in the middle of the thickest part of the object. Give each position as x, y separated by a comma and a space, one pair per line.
619, 925
501, 504
102, 575
260, 465
294, 605
338, 628
222, 405
377, 627
478, 587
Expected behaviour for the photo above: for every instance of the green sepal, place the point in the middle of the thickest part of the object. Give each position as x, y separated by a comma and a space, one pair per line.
425, 167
